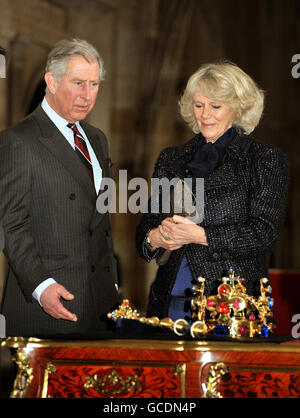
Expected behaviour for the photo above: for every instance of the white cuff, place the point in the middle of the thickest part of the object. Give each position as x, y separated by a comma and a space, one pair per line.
37, 293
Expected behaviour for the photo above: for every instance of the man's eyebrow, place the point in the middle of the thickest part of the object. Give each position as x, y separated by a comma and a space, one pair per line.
84, 79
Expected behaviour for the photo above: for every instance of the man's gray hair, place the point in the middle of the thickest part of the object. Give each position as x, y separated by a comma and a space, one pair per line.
64, 50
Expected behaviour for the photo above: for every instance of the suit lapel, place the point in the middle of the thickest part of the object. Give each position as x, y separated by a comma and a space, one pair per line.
96, 144
180, 158
56, 143
99, 152
59, 147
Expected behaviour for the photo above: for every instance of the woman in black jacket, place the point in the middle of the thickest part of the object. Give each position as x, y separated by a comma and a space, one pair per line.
245, 193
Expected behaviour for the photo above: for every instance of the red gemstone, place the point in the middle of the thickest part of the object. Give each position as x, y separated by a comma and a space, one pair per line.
223, 308
223, 289
243, 330
236, 303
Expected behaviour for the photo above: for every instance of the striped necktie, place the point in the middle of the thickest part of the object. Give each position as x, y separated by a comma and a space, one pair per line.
81, 150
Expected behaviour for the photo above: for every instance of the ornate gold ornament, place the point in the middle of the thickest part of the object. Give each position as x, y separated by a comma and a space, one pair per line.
49, 369
112, 384
24, 374
229, 313
216, 371
178, 370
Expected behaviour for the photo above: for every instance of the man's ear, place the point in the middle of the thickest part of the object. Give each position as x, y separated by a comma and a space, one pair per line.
51, 82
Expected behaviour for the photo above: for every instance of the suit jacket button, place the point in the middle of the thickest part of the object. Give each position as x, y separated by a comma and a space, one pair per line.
92, 269
216, 256
225, 254
72, 196
90, 233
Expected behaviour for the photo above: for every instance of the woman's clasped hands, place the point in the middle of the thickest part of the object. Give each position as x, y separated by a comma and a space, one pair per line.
175, 232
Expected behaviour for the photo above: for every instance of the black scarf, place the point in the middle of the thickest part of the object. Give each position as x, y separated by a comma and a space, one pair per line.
209, 155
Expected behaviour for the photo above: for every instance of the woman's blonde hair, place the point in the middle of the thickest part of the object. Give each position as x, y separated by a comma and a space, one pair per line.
227, 83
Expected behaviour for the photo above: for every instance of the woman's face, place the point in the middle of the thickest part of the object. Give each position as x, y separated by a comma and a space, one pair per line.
213, 117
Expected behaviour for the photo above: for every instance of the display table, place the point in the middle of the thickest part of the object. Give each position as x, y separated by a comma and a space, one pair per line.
145, 368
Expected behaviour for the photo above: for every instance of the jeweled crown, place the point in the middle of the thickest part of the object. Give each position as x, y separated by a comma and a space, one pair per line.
230, 313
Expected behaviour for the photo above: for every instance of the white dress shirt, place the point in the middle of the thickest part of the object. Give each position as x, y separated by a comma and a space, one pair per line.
61, 124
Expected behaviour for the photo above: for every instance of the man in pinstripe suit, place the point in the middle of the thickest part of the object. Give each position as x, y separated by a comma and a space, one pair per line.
62, 277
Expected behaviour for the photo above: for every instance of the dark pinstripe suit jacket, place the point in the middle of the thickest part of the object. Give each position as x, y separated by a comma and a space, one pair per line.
52, 229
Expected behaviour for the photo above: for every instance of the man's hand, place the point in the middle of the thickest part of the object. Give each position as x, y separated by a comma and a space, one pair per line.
50, 300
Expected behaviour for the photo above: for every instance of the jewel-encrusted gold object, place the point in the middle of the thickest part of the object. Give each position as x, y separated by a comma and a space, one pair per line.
230, 313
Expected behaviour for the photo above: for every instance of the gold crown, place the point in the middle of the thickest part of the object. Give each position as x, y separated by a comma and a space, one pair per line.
229, 313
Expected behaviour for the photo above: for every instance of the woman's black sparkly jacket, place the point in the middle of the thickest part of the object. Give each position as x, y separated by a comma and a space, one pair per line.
244, 208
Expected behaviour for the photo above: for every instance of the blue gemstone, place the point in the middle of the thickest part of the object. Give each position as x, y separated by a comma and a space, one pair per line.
270, 303
264, 332
221, 330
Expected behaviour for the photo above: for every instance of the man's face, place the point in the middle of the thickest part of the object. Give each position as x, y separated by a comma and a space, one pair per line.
75, 95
